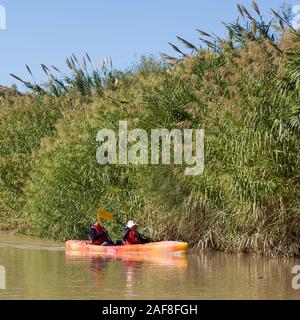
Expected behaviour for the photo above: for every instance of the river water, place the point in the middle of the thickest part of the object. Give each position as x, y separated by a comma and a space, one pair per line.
38, 269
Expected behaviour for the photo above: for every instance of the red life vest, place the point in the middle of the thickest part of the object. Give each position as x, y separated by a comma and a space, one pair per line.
132, 238
103, 238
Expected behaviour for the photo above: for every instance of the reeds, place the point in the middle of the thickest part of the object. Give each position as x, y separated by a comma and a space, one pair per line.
84, 79
246, 27
243, 92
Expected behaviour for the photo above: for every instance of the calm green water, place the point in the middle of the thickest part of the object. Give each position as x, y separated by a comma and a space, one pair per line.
38, 269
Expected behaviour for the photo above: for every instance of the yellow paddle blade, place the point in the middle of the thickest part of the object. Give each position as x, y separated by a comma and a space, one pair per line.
102, 214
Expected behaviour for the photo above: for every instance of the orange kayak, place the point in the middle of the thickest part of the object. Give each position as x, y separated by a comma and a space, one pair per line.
153, 247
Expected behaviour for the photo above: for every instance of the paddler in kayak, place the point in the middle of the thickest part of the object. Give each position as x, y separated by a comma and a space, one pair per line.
131, 235
99, 236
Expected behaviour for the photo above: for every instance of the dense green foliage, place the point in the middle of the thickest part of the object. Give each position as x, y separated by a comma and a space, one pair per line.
24, 122
243, 90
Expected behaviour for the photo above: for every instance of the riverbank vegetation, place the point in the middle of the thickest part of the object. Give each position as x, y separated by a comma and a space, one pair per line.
243, 89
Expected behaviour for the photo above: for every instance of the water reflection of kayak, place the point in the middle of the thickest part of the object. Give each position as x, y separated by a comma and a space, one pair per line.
173, 259
153, 247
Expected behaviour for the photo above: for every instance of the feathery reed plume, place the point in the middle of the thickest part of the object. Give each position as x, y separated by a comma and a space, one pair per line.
18, 78
176, 48
29, 70
73, 55
73, 63
203, 33
167, 57
256, 7
84, 63
88, 57
240, 10
31, 74
34, 87
55, 68
69, 64
247, 13
45, 68
187, 44
277, 15
208, 43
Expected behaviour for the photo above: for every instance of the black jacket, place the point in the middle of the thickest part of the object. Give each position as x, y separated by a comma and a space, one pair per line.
94, 235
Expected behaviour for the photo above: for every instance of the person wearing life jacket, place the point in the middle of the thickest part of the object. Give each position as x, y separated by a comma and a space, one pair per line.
99, 236
131, 235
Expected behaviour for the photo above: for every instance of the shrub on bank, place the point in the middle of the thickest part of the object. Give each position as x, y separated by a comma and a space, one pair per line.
24, 121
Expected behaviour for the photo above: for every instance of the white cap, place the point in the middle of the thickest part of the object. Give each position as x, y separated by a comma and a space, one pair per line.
131, 224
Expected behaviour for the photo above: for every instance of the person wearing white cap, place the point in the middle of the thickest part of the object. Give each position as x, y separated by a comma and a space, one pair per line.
131, 235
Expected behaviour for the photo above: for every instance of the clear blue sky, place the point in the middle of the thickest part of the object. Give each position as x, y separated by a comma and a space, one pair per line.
49, 31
